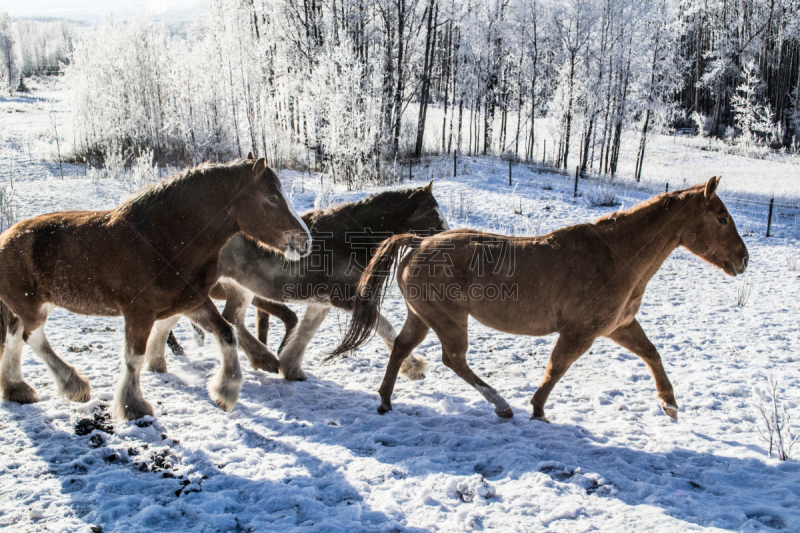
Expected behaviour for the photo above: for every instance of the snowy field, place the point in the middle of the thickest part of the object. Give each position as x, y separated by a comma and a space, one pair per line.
316, 456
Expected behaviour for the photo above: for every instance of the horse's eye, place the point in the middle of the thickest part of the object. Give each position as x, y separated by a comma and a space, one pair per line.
273, 200
722, 220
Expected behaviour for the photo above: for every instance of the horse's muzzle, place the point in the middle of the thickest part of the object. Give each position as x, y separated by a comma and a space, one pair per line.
297, 248
739, 270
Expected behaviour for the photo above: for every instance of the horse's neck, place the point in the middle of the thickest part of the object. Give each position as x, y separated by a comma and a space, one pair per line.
642, 241
204, 223
372, 220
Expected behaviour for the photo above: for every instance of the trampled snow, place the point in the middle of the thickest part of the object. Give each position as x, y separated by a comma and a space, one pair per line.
316, 455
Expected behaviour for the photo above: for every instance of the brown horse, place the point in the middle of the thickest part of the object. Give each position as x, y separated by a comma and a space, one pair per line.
152, 257
582, 282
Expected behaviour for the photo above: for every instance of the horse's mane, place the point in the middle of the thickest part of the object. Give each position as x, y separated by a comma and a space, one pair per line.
175, 191
649, 206
377, 205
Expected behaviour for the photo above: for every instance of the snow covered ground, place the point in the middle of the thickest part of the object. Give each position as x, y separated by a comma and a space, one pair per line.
316, 455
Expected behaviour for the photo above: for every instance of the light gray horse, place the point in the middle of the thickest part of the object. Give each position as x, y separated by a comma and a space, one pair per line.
345, 237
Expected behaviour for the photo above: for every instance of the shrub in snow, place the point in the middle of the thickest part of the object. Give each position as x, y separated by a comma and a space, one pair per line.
324, 197
473, 486
791, 261
743, 292
774, 424
601, 197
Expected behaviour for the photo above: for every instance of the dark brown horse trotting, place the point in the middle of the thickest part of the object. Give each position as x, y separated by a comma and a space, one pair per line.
152, 257
345, 237
582, 282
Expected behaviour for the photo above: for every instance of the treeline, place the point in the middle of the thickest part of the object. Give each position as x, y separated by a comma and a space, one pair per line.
365, 82
32, 47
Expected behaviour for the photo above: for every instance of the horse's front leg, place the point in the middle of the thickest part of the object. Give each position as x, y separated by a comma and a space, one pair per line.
129, 404
224, 387
567, 350
291, 355
632, 337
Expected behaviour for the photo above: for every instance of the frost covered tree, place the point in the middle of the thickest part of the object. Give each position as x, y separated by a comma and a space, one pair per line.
753, 117
9, 68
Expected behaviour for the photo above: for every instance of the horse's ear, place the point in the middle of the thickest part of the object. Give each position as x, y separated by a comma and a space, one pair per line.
250, 155
711, 186
428, 187
259, 166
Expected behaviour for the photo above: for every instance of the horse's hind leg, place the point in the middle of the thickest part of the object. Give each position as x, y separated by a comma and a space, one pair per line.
129, 404
262, 325
69, 382
224, 387
414, 365
12, 385
632, 337
452, 333
281, 311
157, 342
174, 345
412, 334
238, 299
291, 355
567, 350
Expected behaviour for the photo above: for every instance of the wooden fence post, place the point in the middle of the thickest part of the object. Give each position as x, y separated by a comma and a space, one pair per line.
455, 162
409, 170
575, 190
769, 216
509, 173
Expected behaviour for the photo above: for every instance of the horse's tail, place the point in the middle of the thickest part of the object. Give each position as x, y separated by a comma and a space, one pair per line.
371, 289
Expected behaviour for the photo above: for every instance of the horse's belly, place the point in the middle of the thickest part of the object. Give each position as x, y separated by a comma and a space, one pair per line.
512, 317
84, 304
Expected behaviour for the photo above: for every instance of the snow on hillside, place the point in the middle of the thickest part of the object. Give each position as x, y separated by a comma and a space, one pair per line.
316, 456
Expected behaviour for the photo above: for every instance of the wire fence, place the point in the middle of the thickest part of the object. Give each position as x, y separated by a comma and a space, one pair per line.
757, 213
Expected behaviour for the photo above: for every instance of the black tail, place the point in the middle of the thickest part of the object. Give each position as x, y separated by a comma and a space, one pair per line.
370, 292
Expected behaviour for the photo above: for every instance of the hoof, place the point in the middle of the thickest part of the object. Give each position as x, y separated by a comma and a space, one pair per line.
158, 365
384, 408
505, 413
77, 388
20, 392
132, 410
540, 419
670, 410
174, 345
295, 374
414, 367
225, 393
265, 361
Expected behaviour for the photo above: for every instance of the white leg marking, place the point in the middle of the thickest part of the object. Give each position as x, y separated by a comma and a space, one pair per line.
157, 342
291, 356
70, 382
12, 385
224, 387
491, 395
129, 404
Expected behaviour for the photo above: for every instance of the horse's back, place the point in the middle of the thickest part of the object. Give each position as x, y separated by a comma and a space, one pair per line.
66, 258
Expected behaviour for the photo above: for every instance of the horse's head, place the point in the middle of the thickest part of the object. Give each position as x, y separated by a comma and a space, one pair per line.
264, 213
711, 233
427, 217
